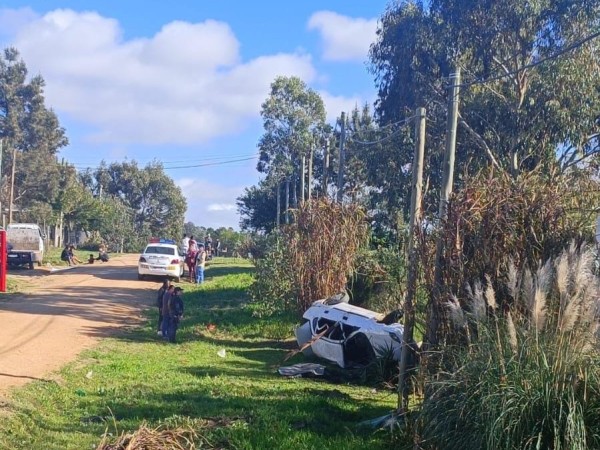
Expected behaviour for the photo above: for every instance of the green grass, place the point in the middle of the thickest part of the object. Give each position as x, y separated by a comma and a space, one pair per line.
136, 377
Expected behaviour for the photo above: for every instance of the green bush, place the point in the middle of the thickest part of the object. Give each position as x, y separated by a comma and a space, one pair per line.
272, 292
529, 376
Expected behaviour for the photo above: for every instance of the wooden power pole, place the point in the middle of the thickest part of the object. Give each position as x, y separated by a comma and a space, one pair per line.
340, 180
12, 186
311, 155
433, 320
326, 167
415, 223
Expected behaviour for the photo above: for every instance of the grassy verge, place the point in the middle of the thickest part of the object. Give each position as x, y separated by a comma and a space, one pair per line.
237, 401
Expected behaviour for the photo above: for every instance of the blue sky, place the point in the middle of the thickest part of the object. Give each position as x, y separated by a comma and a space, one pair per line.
182, 81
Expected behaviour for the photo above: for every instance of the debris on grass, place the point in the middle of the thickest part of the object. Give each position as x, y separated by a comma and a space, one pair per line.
170, 436
159, 438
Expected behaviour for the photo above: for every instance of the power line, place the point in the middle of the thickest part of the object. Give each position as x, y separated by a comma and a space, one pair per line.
561, 52
211, 164
230, 160
395, 133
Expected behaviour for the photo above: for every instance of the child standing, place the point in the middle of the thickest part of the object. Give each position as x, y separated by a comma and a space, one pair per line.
175, 313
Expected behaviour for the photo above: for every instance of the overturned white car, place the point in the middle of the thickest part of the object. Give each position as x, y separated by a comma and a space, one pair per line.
348, 335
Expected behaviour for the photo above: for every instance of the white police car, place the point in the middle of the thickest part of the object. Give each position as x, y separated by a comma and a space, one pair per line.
161, 258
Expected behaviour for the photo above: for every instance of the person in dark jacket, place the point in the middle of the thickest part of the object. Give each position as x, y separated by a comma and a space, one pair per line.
159, 301
175, 313
165, 310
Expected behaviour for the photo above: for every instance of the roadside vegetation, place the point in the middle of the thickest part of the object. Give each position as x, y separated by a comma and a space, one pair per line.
509, 247
219, 380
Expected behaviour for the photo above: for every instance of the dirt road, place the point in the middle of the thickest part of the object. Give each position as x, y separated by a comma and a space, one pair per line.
66, 312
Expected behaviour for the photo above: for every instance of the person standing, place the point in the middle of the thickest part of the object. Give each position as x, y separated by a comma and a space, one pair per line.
159, 302
208, 244
200, 264
190, 260
185, 244
217, 247
165, 310
175, 313
193, 245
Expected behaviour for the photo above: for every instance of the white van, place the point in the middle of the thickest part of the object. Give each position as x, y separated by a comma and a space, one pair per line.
25, 244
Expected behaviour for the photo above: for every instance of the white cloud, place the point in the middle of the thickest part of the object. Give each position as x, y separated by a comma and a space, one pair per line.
344, 38
334, 105
11, 20
210, 204
186, 84
221, 207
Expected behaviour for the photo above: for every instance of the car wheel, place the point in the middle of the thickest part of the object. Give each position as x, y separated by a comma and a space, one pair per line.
140, 276
342, 297
31, 265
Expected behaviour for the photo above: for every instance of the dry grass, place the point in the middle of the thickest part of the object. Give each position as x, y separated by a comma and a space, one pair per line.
530, 376
322, 245
163, 438
498, 226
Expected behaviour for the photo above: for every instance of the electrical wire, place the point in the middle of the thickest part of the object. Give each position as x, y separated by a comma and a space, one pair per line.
395, 133
559, 53
187, 166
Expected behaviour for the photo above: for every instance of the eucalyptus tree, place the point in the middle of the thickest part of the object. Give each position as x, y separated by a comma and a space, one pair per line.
530, 77
529, 96
293, 116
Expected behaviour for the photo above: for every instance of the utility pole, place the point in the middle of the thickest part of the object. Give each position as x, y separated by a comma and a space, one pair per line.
326, 167
303, 180
310, 170
287, 199
278, 219
12, 186
415, 223
340, 180
433, 321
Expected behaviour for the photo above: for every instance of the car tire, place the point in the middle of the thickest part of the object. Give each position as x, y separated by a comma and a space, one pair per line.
336, 299
140, 277
31, 265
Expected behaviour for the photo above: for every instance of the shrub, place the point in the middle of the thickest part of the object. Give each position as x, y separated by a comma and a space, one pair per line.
378, 280
529, 377
323, 243
309, 259
273, 289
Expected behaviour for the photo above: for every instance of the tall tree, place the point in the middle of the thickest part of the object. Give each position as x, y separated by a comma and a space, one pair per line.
257, 207
157, 206
522, 115
30, 128
293, 116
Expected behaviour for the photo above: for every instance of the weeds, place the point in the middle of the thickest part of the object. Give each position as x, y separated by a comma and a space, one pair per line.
530, 377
